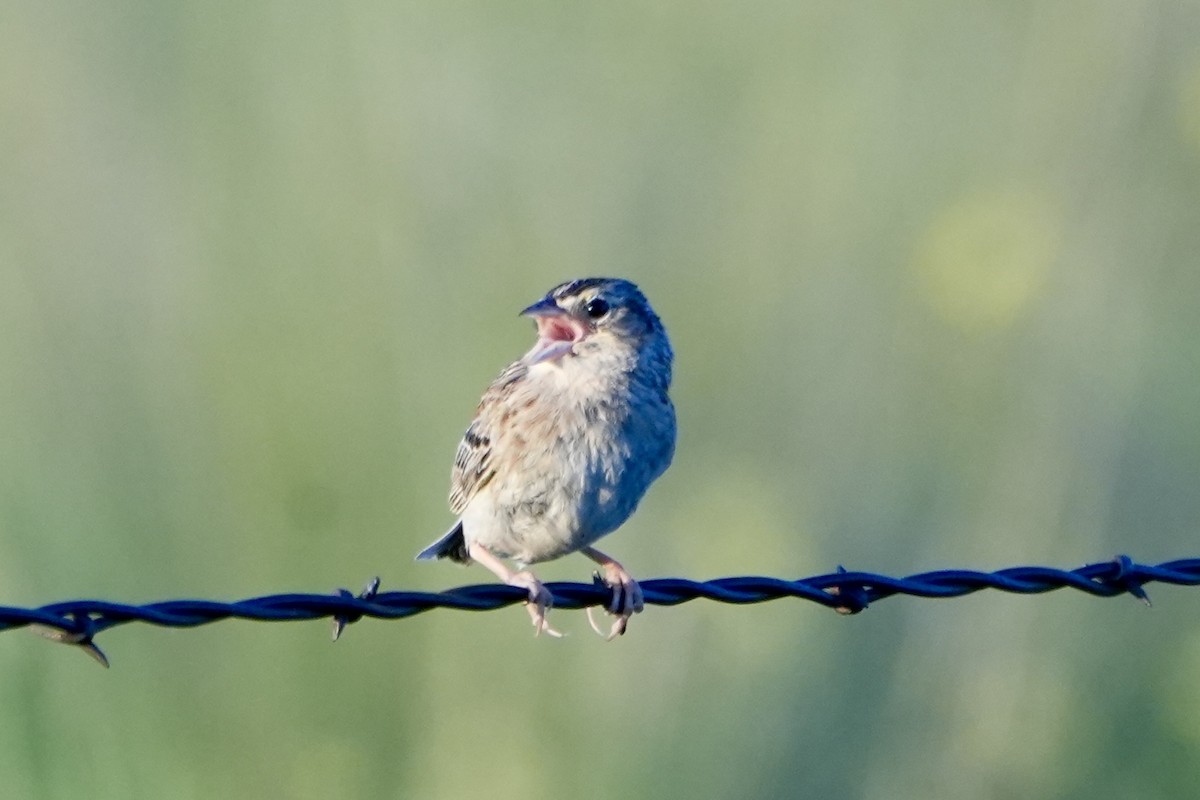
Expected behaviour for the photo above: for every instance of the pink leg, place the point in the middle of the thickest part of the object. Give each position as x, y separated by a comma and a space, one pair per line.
627, 595
539, 601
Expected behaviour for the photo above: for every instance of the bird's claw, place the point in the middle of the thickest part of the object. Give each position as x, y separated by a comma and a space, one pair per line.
627, 600
539, 603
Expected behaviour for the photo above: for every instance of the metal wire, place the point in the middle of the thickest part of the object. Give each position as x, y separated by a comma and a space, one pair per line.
79, 621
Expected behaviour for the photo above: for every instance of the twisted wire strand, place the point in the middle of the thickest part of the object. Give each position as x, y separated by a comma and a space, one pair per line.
79, 621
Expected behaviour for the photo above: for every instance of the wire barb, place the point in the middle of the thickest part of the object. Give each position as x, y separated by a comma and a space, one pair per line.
78, 622
80, 636
342, 620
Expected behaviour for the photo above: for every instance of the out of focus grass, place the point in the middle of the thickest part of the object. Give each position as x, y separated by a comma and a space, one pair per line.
931, 275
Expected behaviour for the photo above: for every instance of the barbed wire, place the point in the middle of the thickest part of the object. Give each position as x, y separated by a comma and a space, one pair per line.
78, 622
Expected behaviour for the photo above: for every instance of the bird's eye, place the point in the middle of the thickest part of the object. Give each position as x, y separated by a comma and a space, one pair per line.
596, 308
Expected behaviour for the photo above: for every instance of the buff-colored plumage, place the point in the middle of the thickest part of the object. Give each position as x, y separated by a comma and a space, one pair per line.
566, 440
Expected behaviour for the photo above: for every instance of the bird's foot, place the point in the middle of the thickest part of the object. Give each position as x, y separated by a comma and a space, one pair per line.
539, 604
626, 601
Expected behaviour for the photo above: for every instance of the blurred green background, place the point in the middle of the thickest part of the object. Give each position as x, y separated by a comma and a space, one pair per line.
931, 274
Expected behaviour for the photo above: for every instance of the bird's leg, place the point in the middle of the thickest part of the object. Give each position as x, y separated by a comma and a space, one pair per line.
627, 595
540, 599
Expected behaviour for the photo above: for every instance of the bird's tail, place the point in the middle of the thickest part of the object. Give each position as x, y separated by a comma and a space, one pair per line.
452, 545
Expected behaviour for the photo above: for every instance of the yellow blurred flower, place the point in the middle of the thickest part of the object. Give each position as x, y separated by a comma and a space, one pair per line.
983, 260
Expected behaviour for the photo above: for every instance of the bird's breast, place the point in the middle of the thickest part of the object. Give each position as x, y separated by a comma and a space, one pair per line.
579, 453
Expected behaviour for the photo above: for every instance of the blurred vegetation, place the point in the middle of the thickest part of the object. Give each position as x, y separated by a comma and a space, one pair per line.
931, 274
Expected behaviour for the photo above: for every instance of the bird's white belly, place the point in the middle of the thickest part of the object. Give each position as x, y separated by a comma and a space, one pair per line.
568, 497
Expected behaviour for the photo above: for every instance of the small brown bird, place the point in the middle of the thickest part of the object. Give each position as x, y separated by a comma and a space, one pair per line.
565, 443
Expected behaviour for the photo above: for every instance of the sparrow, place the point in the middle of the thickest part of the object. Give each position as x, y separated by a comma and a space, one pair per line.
565, 443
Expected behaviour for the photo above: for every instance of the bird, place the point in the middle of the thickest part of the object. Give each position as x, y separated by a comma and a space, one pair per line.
564, 444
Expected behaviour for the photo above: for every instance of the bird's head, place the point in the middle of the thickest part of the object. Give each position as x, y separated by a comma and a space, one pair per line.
590, 311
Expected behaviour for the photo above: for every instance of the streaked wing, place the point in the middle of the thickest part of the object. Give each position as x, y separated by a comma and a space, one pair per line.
473, 463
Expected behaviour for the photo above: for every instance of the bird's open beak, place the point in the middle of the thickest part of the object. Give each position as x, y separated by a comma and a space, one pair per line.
546, 307
557, 331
